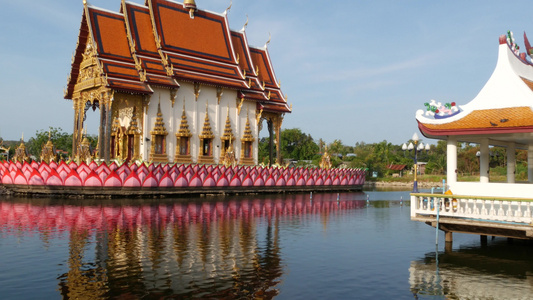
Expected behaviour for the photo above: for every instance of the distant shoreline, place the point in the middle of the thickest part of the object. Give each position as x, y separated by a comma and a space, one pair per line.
396, 184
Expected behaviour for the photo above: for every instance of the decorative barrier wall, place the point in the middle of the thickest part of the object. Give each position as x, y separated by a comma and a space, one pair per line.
170, 176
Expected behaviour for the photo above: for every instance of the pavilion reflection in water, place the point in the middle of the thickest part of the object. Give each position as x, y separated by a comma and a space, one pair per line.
473, 274
202, 249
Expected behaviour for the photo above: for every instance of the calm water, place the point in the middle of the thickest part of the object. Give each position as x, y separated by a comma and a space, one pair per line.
278, 246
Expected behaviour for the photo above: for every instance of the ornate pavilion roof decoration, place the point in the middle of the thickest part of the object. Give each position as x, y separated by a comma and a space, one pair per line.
162, 42
503, 107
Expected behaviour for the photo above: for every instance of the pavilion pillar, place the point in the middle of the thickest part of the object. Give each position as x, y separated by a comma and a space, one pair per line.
484, 161
511, 162
530, 163
451, 160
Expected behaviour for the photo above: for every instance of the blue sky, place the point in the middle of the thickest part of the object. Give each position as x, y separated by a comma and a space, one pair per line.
353, 70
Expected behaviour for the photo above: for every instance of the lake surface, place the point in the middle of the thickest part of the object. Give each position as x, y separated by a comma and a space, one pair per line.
328, 246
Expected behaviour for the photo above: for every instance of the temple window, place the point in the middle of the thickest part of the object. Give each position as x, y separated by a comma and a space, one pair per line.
158, 152
183, 140
184, 146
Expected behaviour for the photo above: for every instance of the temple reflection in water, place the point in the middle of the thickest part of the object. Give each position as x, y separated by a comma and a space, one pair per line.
215, 249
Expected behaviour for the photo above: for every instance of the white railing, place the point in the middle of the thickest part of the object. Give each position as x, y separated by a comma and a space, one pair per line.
501, 209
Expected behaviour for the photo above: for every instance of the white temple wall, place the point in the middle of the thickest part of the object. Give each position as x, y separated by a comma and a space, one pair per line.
195, 111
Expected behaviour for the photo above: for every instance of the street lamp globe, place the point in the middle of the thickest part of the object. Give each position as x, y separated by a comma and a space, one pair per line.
415, 137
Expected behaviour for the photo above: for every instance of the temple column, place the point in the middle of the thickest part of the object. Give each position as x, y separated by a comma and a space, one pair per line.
279, 121
107, 155
101, 130
270, 141
451, 160
75, 129
511, 162
530, 163
484, 161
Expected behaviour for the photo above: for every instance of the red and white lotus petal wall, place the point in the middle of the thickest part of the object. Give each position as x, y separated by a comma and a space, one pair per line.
168, 176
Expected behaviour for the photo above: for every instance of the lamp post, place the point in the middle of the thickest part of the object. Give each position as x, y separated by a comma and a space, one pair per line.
415, 147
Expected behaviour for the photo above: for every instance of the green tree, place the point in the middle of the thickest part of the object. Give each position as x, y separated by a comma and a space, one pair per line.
60, 139
296, 145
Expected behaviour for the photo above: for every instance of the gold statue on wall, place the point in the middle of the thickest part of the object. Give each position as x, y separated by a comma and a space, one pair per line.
21, 155
325, 163
85, 150
229, 156
48, 152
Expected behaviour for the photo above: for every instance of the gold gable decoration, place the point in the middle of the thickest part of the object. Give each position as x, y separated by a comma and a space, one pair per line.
183, 140
205, 154
247, 145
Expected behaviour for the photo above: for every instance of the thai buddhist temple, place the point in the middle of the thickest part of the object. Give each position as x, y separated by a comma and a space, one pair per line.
172, 83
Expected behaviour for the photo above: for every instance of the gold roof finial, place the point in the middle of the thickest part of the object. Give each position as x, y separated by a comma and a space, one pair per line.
191, 6
269, 38
229, 7
245, 24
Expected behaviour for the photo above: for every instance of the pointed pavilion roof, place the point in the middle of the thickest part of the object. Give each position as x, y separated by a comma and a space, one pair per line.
161, 42
502, 111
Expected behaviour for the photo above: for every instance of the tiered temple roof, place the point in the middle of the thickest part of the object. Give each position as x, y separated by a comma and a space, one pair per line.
164, 42
503, 109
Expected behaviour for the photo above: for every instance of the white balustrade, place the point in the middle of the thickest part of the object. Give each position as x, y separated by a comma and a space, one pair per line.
500, 209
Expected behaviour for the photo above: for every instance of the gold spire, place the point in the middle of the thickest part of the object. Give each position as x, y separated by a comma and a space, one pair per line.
248, 137
228, 133
159, 127
184, 125
206, 130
